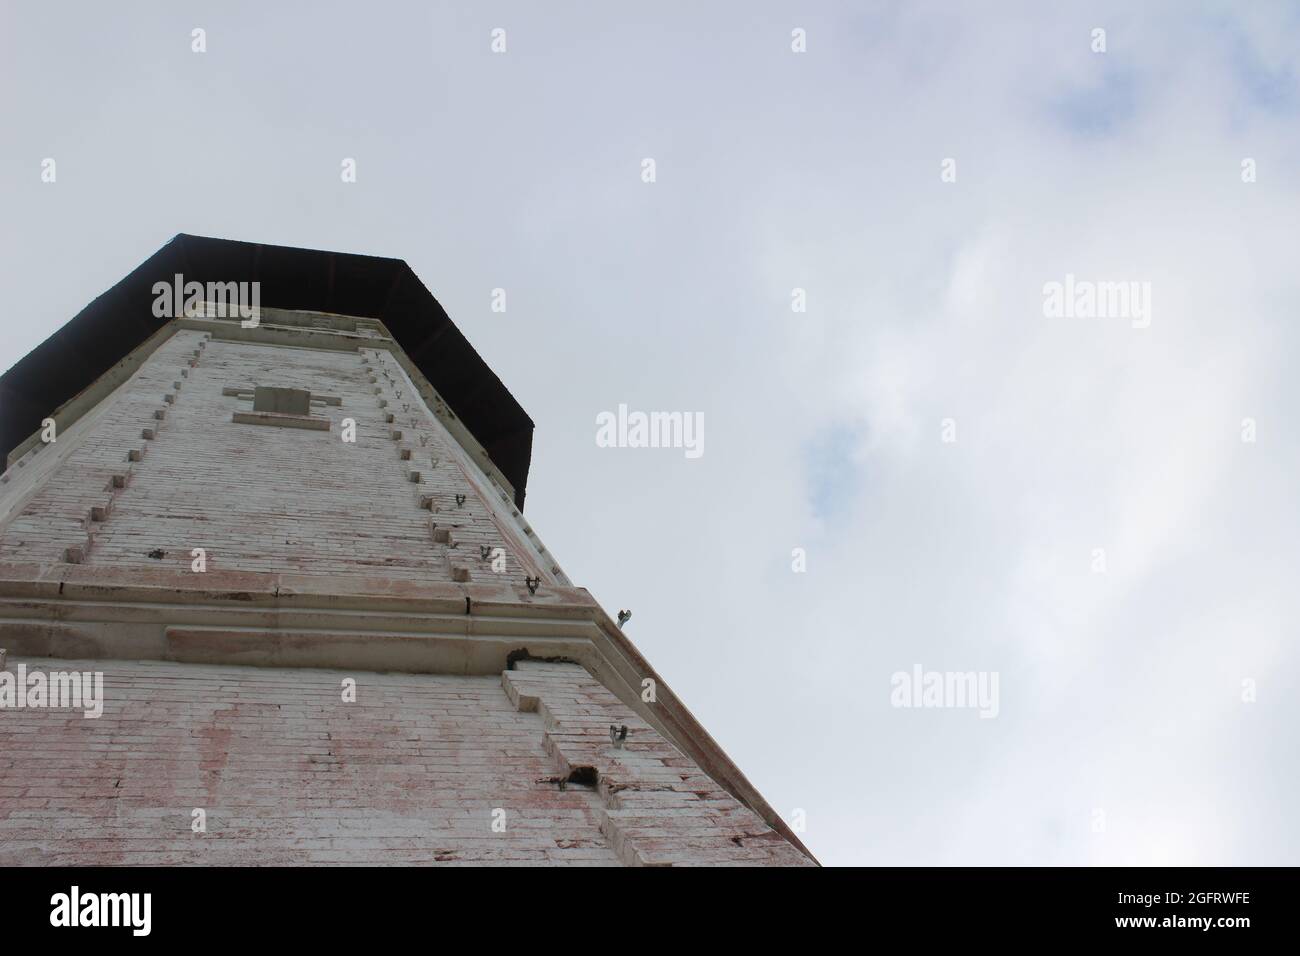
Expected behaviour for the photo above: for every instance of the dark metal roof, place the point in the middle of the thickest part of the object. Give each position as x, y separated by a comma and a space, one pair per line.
105, 331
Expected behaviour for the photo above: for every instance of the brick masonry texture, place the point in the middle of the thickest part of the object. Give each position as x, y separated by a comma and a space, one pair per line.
411, 772
286, 770
287, 773
657, 807
260, 498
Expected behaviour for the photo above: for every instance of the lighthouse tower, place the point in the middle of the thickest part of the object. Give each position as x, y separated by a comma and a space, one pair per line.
268, 596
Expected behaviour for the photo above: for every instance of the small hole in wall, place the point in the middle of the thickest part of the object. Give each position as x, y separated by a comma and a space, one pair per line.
583, 777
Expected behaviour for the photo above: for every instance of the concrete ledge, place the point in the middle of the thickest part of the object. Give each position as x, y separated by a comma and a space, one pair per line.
264, 589
84, 611
281, 421
405, 653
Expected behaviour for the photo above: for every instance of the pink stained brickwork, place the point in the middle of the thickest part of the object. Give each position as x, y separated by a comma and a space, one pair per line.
415, 770
286, 772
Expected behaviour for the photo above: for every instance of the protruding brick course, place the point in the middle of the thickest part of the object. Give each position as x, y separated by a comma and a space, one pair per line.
659, 808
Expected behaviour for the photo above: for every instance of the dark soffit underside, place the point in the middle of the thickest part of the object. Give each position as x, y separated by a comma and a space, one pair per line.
105, 331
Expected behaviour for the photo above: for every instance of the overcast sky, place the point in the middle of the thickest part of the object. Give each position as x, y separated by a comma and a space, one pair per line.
1122, 735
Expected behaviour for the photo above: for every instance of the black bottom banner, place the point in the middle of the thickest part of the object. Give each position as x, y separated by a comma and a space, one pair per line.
337, 905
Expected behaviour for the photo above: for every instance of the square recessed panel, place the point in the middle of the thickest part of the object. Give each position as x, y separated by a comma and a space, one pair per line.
282, 401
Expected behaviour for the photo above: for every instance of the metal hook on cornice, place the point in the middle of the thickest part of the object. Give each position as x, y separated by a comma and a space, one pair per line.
617, 735
532, 584
460, 501
624, 617
484, 550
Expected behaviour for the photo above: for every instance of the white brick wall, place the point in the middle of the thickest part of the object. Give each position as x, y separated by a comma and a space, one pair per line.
411, 772
260, 498
286, 772
658, 808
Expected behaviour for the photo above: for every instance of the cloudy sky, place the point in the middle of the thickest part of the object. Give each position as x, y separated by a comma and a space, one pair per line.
1096, 531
